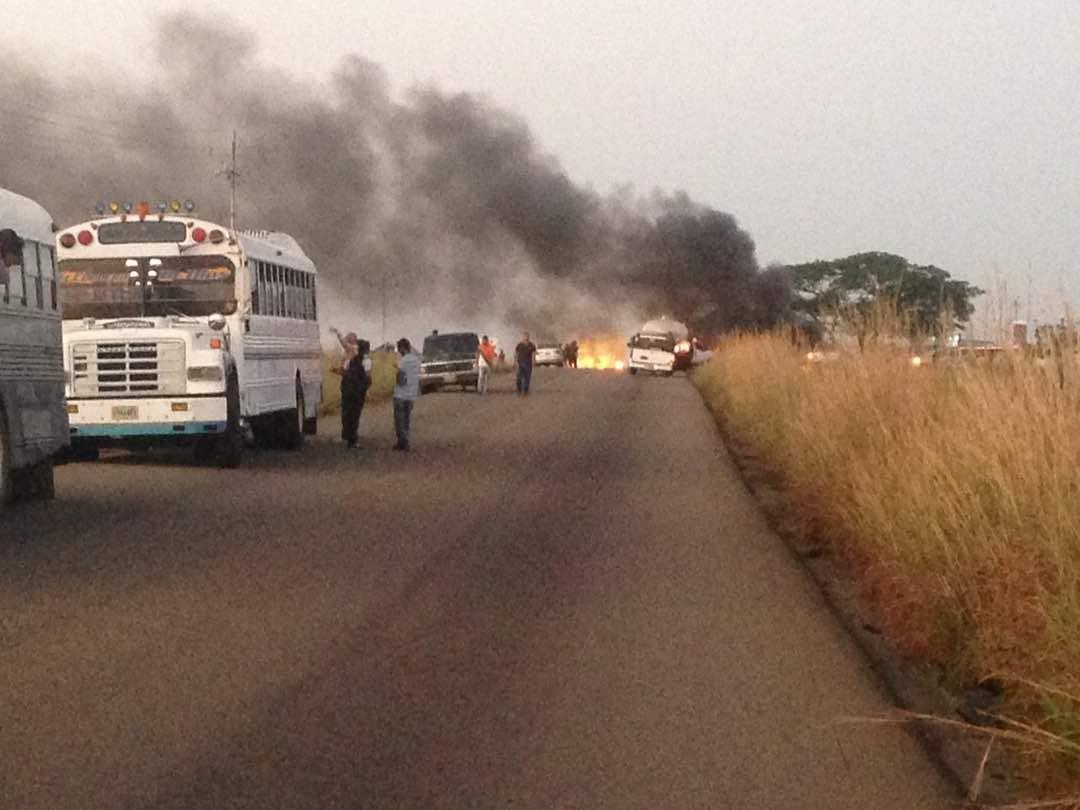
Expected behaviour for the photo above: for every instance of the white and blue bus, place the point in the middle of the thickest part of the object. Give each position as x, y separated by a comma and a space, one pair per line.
180, 331
33, 424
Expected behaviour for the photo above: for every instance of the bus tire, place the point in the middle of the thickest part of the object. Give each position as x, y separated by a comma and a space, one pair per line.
633, 370
292, 423
7, 488
230, 446
42, 481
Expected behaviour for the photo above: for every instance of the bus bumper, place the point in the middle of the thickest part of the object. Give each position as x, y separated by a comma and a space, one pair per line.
116, 420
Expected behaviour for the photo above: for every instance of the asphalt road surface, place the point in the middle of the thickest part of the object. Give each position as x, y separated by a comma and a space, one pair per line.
560, 601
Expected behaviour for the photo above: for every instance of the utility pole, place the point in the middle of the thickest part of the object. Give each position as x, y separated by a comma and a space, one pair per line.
233, 175
382, 341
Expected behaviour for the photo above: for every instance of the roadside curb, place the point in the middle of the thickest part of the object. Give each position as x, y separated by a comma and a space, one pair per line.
910, 687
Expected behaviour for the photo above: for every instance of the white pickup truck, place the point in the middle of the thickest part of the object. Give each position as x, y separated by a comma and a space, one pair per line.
661, 346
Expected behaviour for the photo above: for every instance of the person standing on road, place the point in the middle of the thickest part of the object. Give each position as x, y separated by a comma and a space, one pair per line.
355, 371
406, 392
485, 361
525, 351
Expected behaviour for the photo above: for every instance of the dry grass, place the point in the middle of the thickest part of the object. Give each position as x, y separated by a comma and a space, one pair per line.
953, 492
383, 367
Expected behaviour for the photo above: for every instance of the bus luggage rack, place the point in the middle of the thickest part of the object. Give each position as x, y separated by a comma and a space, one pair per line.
128, 368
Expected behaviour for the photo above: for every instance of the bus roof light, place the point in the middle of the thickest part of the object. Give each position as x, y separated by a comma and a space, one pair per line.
144, 210
175, 206
86, 238
126, 206
189, 206
100, 209
114, 207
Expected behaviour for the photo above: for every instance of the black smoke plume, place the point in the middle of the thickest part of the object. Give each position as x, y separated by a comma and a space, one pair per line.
442, 203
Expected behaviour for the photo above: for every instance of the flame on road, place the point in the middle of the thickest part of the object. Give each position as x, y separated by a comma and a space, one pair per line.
602, 354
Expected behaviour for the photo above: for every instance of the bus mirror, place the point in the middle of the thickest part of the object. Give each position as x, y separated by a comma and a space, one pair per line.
216, 321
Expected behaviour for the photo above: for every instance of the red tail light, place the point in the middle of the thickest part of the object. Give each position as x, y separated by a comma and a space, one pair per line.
199, 235
86, 238
67, 240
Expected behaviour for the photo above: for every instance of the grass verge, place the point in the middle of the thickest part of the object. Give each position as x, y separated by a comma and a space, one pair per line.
383, 368
951, 492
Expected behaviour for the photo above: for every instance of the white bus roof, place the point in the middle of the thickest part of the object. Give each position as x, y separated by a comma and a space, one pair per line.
24, 216
275, 247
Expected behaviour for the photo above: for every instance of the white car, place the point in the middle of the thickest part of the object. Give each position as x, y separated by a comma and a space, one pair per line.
549, 354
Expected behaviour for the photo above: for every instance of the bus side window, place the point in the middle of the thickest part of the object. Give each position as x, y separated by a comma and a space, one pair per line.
314, 301
264, 289
275, 275
275, 285
307, 296
271, 294
32, 276
16, 279
254, 273
47, 258
281, 292
289, 312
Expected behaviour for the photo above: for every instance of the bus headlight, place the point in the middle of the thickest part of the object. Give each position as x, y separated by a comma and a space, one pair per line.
205, 374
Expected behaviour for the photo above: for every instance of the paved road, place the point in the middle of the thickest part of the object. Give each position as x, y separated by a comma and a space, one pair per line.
565, 601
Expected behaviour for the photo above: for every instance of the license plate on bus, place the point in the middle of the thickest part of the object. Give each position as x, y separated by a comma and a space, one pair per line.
125, 413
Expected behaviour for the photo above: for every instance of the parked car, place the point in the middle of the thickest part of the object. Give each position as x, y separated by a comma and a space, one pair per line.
450, 359
549, 354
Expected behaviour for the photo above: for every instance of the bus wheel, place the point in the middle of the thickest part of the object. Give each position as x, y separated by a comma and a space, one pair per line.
6, 488
230, 449
42, 483
292, 423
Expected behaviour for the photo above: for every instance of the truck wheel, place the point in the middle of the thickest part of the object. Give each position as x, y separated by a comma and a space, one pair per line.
230, 447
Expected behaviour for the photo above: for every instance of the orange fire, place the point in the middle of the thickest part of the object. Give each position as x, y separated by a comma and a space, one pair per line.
602, 353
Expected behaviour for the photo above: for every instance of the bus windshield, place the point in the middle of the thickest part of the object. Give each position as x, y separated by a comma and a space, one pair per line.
170, 285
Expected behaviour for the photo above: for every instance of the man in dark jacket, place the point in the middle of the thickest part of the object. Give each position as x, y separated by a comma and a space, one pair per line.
524, 352
355, 381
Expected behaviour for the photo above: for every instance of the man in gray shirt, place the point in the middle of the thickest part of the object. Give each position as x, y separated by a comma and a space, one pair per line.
406, 392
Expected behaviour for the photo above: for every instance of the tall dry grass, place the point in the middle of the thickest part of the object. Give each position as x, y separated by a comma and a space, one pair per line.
383, 370
951, 489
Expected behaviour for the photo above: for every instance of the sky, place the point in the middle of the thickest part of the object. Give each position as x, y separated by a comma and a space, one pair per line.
947, 131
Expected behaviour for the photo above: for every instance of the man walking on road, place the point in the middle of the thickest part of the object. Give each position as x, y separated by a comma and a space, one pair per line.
485, 362
524, 351
406, 392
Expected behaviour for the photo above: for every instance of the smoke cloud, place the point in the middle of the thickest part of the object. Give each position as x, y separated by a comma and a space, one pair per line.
441, 204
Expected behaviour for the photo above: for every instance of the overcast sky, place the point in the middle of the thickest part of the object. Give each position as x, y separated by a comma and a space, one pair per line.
944, 130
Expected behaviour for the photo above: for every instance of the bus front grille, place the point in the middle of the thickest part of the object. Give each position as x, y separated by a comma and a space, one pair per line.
128, 368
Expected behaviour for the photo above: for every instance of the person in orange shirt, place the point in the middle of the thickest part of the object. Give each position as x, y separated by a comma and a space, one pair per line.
485, 361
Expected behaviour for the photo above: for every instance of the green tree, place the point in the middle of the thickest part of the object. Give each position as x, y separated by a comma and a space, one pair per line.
866, 281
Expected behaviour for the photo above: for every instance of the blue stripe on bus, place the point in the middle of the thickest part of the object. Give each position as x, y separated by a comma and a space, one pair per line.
160, 429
